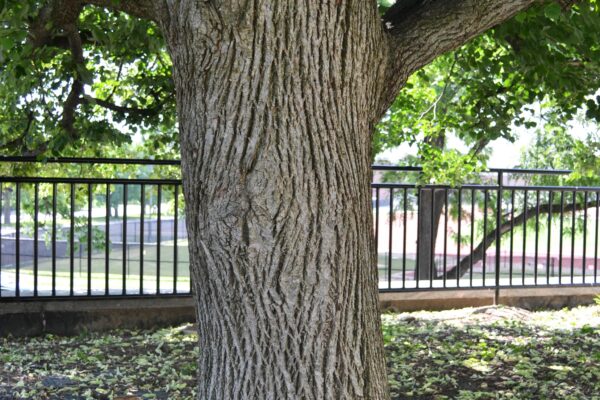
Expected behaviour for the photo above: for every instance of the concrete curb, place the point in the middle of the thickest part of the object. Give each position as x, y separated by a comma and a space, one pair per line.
74, 316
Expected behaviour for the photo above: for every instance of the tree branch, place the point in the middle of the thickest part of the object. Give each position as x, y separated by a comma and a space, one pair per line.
490, 238
49, 25
143, 112
146, 9
425, 29
54, 15
74, 98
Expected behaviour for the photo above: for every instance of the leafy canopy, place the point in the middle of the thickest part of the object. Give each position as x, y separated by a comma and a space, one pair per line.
538, 69
90, 92
65, 93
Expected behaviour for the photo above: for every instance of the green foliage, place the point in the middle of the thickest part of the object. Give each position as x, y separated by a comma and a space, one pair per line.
126, 65
544, 63
555, 148
544, 58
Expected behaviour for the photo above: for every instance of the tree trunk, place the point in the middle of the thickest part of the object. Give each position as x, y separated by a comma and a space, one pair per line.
431, 206
276, 105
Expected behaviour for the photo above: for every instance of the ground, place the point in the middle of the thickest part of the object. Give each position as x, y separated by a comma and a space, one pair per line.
474, 353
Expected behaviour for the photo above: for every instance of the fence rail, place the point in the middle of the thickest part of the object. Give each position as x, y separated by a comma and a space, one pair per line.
86, 237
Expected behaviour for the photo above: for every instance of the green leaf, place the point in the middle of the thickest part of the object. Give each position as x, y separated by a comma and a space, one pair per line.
553, 11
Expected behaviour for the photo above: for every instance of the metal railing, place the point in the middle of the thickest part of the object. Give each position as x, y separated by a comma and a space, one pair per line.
501, 234
88, 237
68, 237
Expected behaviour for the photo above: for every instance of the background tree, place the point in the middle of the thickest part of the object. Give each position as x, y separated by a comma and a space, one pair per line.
276, 105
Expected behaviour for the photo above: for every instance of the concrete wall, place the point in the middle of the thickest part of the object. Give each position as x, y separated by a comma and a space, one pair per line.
529, 298
71, 317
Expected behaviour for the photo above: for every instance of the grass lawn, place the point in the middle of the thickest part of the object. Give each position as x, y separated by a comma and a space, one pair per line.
485, 353
115, 275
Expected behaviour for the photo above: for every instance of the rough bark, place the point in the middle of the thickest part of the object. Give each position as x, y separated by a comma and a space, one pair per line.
276, 108
428, 28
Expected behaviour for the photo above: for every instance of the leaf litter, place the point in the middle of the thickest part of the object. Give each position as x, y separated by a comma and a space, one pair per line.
471, 353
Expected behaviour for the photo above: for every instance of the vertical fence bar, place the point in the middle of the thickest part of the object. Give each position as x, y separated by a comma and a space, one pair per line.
390, 226
404, 219
458, 239
107, 241
416, 275
125, 260
550, 201
498, 237
36, 206
18, 240
524, 254
573, 236
486, 199
142, 223
176, 231
376, 231
585, 217
71, 239
1, 208
89, 240
445, 234
53, 240
432, 270
560, 246
158, 234
512, 237
472, 237
596, 238
537, 236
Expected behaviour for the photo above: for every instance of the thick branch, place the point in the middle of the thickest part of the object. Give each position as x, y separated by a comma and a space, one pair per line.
429, 28
74, 98
47, 29
490, 238
142, 112
146, 9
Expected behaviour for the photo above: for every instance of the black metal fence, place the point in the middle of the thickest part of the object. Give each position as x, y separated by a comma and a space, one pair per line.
503, 233
72, 237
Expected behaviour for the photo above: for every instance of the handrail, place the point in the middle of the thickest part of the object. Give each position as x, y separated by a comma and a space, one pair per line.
142, 161
411, 168
84, 160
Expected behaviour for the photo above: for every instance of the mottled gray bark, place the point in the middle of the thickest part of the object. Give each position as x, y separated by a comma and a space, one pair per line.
276, 107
